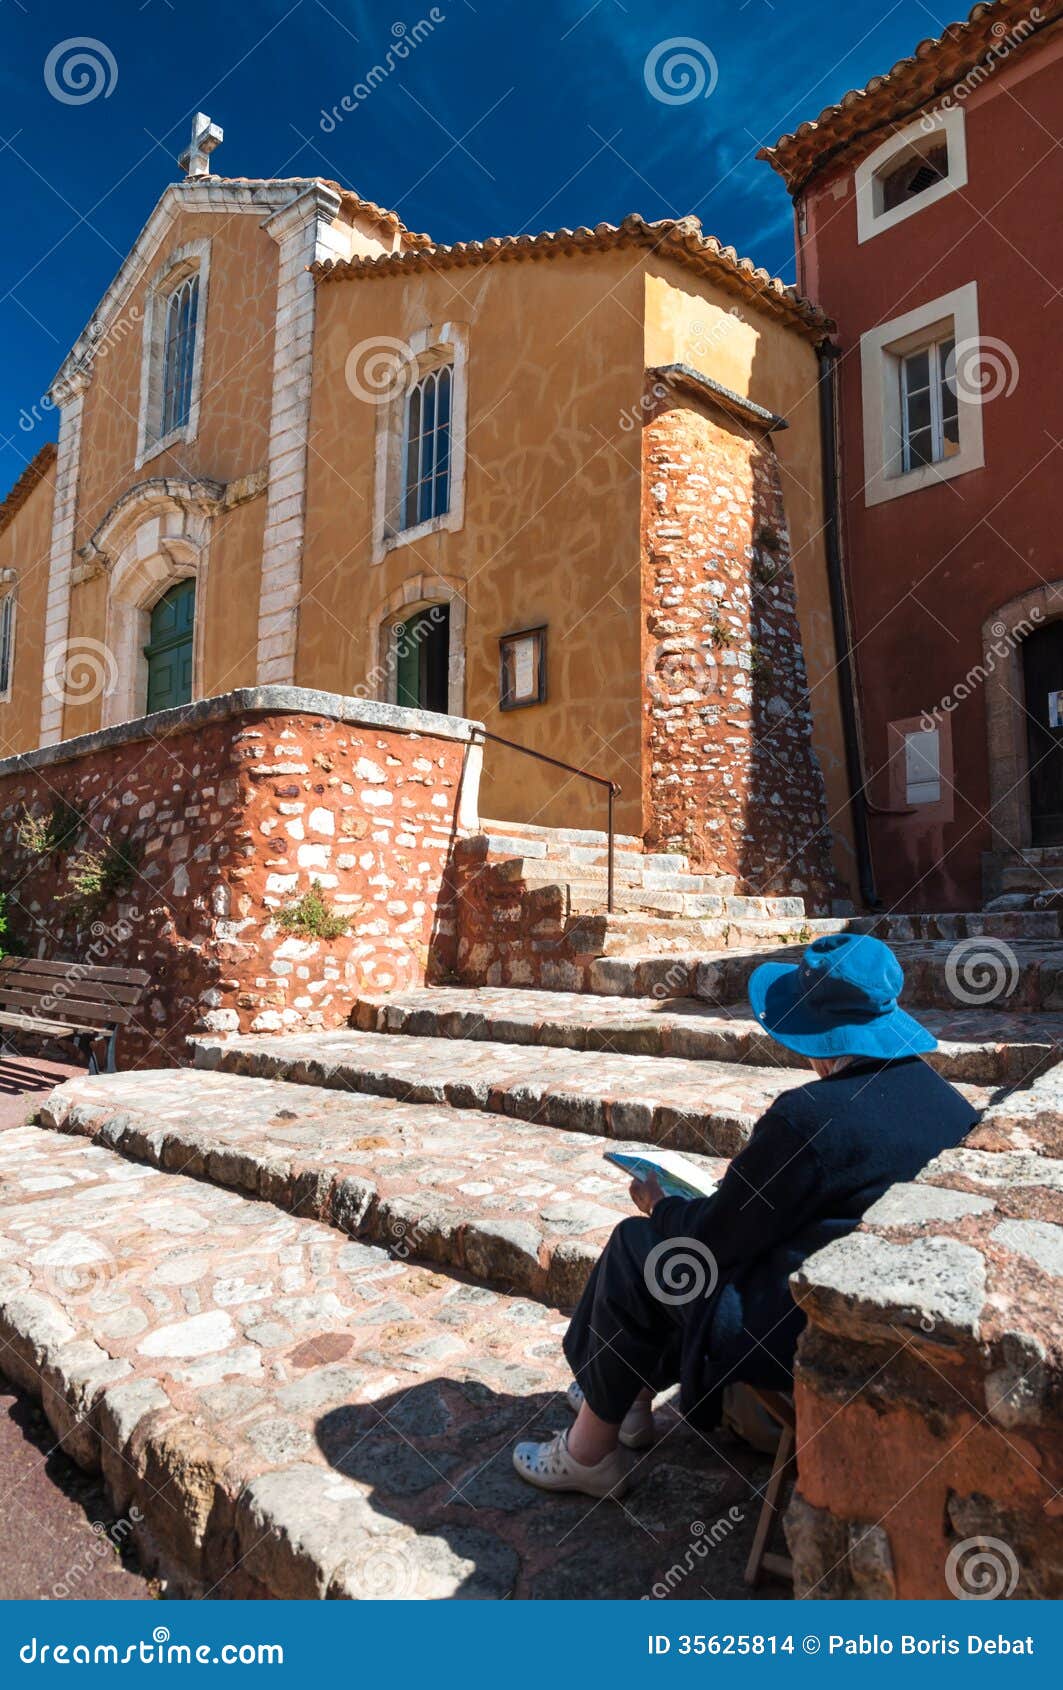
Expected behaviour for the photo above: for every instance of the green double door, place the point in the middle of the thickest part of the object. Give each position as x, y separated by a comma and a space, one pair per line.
169, 648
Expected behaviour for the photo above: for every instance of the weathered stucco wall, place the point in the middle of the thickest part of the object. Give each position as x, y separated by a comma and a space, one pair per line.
232, 809
730, 776
550, 532
930, 1378
25, 546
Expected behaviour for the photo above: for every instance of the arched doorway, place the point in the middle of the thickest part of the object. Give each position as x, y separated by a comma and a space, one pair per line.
169, 651
420, 645
1042, 667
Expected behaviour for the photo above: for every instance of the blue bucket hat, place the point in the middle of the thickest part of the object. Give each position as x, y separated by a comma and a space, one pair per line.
839, 1000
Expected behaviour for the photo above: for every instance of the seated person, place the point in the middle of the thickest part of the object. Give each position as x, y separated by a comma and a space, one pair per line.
698, 1291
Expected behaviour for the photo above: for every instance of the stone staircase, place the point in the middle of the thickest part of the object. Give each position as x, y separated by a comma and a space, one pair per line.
1030, 879
298, 1301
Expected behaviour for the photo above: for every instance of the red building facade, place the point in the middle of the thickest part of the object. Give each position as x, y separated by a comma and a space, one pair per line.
929, 224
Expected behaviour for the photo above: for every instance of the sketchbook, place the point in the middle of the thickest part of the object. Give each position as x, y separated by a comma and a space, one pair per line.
675, 1175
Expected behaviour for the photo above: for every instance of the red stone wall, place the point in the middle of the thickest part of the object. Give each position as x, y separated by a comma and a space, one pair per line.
731, 777
234, 819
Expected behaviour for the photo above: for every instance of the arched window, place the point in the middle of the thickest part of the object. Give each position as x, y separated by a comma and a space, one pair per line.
179, 351
427, 487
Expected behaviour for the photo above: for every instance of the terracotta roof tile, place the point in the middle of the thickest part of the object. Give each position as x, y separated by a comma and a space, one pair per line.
937, 64
681, 239
34, 471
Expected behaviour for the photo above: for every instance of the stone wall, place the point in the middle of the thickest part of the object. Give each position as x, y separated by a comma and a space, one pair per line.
230, 810
732, 779
930, 1377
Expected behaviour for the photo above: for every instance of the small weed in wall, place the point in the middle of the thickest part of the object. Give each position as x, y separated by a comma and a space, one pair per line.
56, 830
311, 917
95, 877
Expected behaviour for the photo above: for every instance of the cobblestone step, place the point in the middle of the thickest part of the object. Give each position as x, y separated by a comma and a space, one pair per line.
1013, 977
287, 1413
527, 1208
702, 1106
981, 1047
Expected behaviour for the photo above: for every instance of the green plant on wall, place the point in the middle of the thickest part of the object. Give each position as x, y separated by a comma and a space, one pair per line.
56, 830
311, 917
95, 877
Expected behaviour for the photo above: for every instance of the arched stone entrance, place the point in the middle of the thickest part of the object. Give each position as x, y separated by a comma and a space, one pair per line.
157, 534
1007, 722
418, 593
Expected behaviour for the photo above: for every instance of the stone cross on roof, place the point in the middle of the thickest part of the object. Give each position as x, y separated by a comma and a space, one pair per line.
195, 160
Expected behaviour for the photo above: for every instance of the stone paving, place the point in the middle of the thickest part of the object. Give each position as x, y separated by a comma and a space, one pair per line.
706, 1107
983, 1047
296, 1414
528, 1208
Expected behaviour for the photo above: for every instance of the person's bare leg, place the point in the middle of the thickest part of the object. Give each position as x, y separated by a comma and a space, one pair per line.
590, 1440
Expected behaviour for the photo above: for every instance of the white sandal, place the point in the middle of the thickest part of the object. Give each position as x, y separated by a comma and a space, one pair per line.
549, 1466
637, 1430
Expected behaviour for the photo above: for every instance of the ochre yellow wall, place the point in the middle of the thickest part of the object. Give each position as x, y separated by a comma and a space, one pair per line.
721, 336
551, 530
25, 545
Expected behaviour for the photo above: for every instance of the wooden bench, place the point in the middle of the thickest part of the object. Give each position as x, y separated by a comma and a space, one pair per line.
70, 1000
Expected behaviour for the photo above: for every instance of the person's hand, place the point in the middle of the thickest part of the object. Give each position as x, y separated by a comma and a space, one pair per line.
646, 1194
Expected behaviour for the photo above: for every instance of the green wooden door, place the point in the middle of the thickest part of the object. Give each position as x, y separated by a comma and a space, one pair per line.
421, 653
169, 648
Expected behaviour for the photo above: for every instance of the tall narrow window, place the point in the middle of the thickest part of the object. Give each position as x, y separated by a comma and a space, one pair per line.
179, 350
929, 413
7, 642
427, 483
922, 766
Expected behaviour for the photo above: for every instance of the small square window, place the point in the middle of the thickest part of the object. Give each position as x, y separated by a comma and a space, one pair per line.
914, 175
522, 669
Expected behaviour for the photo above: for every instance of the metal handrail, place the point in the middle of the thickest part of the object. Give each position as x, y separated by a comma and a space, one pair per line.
613, 788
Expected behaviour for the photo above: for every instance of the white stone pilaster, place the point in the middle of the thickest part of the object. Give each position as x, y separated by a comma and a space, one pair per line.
69, 395
305, 233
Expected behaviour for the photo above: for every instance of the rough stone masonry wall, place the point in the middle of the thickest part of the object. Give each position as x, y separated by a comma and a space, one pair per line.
234, 807
929, 1385
733, 780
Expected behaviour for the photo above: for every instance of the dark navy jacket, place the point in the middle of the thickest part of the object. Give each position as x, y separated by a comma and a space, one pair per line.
816, 1161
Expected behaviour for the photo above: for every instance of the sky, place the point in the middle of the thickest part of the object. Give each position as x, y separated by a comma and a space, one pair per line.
503, 117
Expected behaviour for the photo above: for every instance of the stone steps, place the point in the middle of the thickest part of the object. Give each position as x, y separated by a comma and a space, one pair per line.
979, 1047
706, 1107
522, 1207
1014, 977
287, 1413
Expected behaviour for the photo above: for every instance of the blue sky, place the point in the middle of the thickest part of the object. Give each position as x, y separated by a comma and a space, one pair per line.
507, 116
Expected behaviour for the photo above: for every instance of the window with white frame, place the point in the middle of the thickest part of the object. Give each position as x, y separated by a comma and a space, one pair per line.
7, 643
922, 766
913, 169
172, 357
930, 424
921, 424
420, 445
426, 491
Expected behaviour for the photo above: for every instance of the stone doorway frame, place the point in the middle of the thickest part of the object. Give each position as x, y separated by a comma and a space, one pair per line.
1002, 635
419, 592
